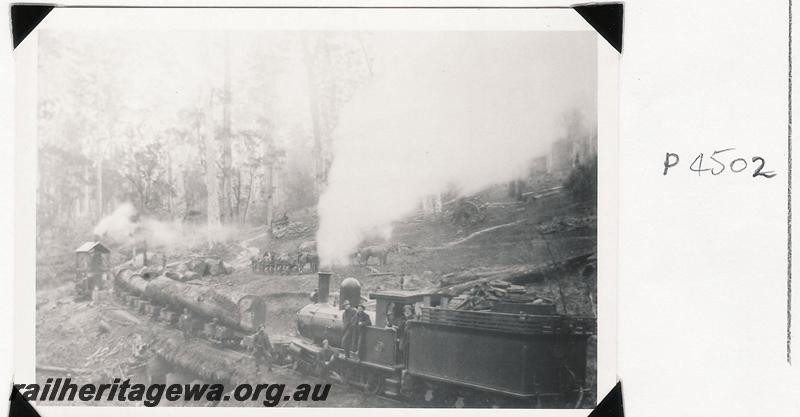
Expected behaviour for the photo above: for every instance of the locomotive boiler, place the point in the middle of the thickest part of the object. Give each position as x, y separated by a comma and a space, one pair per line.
246, 313
323, 319
523, 357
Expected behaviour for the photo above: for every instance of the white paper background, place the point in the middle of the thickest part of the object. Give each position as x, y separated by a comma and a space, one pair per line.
703, 260
703, 271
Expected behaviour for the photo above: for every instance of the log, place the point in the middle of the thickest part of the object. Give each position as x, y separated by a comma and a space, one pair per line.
62, 370
203, 359
519, 274
200, 299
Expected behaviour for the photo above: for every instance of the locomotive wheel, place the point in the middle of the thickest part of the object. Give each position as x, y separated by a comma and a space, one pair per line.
459, 401
427, 395
456, 399
374, 383
571, 391
349, 374
497, 401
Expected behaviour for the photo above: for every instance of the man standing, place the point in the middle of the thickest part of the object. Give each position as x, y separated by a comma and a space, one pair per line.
325, 359
262, 349
361, 320
347, 322
185, 323
402, 332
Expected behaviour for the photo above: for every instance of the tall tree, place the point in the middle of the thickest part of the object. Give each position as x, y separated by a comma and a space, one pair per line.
212, 180
225, 135
310, 57
336, 65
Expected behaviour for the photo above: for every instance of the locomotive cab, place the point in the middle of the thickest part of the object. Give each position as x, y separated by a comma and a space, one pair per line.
385, 339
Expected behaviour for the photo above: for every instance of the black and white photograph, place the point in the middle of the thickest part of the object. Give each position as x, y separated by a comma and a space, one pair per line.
321, 218
532, 208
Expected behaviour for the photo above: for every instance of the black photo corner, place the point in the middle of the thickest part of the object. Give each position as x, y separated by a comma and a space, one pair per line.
20, 407
611, 405
25, 18
606, 19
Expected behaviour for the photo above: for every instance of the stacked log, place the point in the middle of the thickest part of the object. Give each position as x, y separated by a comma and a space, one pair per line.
454, 284
491, 287
203, 359
199, 299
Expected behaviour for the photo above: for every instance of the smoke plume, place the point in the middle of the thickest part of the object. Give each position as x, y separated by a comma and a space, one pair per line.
126, 226
463, 108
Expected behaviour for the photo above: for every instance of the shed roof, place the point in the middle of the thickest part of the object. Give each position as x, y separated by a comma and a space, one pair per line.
92, 246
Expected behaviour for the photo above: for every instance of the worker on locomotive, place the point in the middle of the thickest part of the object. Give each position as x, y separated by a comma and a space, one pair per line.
325, 359
347, 323
361, 321
402, 334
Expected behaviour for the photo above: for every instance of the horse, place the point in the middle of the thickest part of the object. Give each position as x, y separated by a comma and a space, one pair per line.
263, 263
379, 251
307, 246
284, 263
267, 262
255, 263
307, 258
355, 258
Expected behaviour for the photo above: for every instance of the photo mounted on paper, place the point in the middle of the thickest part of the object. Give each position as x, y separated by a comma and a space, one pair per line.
409, 218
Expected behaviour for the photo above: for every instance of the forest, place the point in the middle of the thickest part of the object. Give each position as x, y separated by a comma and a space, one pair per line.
153, 121
229, 130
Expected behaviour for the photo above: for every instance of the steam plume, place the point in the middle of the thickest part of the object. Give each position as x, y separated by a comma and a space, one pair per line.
464, 108
125, 226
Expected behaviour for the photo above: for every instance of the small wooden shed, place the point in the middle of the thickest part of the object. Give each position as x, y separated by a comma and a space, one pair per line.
91, 263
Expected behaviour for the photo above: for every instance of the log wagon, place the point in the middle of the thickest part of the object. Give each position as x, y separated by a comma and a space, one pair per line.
166, 298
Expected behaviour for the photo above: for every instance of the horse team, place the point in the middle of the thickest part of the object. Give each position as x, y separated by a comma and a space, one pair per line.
285, 263
306, 256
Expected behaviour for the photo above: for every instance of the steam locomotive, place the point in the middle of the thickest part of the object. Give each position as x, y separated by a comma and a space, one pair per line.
516, 356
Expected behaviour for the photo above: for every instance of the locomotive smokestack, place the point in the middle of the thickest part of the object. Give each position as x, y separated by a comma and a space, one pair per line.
324, 286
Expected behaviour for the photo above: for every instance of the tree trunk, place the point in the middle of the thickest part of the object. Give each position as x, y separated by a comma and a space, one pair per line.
331, 108
99, 188
313, 102
184, 192
249, 195
226, 135
170, 187
87, 195
236, 194
212, 184
270, 192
